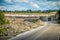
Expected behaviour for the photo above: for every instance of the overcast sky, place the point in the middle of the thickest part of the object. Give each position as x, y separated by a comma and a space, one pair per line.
29, 4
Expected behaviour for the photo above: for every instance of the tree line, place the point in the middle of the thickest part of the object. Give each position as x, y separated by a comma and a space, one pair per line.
29, 11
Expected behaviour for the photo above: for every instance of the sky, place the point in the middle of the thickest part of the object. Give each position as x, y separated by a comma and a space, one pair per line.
29, 4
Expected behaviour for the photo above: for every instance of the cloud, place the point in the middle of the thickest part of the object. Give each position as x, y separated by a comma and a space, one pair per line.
12, 7
21, 0
18, 1
3, 8
58, 5
29, 4
18, 7
8, 1
34, 5
47, 5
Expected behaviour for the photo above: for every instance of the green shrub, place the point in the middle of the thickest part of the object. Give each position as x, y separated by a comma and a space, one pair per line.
35, 20
2, 31
3, 19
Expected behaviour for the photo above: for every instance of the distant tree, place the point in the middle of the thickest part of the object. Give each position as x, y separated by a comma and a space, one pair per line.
29, 11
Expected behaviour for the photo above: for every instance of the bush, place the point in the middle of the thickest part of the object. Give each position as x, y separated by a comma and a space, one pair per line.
2, 31
3, 19
35, 20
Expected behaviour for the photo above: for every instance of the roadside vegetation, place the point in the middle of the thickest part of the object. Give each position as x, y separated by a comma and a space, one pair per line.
58, 12
3, 21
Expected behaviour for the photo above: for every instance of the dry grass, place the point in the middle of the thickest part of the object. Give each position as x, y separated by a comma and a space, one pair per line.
21, 26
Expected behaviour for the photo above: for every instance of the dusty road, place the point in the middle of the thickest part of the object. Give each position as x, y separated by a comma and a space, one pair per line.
49, 31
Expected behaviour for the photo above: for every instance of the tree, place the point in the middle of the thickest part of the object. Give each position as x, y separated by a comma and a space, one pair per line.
58, 20
28, 11
58, 14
